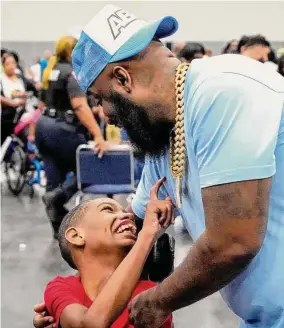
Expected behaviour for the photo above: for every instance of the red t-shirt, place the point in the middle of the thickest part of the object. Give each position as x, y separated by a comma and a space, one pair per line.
63, 291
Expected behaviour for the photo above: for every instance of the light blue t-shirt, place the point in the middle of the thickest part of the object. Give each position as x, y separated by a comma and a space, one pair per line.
234, 130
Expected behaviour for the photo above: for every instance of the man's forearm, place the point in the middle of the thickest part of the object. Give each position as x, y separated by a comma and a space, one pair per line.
86, 117
205, 270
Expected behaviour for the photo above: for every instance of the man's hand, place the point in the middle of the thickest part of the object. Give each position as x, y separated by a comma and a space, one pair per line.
144, 312
41, 319
100, 146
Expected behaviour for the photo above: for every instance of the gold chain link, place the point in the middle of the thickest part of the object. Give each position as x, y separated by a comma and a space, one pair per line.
177, 141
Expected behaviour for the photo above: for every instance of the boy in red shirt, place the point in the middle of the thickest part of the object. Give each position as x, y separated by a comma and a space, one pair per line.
99, 240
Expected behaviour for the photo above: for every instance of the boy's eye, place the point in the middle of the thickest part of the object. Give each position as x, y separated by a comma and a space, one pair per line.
107, 208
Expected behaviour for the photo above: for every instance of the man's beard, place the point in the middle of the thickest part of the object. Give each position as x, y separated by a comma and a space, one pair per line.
147, 137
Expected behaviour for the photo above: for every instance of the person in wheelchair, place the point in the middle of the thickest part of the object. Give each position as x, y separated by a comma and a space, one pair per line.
100, 240
62, 128
14, 90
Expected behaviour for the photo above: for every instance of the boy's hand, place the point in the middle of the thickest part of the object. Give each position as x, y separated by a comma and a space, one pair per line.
159, 213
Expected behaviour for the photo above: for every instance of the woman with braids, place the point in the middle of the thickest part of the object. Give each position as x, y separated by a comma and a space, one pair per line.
62, 129
215, 129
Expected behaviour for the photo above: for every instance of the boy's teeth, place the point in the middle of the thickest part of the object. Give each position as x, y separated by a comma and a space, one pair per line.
125, 227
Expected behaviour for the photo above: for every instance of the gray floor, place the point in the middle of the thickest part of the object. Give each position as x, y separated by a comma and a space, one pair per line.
30, 259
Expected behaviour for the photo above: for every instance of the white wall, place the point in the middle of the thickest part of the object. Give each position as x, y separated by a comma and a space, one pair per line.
211, 21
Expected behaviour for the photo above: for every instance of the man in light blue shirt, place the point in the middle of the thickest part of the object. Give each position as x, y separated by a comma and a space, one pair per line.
232, 181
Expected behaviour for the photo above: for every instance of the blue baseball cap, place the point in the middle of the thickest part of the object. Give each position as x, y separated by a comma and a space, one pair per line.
114, 35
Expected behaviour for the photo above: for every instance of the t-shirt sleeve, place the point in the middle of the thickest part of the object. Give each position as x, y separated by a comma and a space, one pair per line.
150, 176
58, 295
234, 124
73, 89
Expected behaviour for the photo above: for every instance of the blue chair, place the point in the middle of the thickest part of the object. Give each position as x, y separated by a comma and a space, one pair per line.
111, 175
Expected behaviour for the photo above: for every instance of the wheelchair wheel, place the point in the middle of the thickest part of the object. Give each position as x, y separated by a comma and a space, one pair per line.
16, 170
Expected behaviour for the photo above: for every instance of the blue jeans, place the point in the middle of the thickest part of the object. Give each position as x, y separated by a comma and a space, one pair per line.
57, 142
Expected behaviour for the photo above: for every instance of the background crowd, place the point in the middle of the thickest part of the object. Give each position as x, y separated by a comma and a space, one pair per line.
13, 69
24, 99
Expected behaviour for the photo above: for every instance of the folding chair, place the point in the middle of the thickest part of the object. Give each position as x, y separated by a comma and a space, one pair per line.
111, 175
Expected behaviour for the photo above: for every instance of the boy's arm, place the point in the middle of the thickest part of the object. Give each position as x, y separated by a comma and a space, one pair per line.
115, 295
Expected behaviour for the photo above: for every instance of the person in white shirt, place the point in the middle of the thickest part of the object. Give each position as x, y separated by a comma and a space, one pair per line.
35, 70
13, 94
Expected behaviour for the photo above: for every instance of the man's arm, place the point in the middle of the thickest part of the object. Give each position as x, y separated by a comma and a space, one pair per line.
85, 115
236, 219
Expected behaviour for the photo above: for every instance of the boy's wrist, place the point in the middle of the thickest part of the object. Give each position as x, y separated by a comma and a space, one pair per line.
147, 236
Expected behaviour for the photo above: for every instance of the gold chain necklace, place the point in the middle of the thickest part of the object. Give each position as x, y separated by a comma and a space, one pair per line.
177, 140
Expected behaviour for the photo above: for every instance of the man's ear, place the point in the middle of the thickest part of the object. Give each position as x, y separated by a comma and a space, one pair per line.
122, 78
75, 236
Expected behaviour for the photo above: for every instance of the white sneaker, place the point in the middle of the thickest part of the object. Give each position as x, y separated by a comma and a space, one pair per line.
179, 225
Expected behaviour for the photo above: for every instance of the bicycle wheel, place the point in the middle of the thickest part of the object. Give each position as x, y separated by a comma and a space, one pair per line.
16, 170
